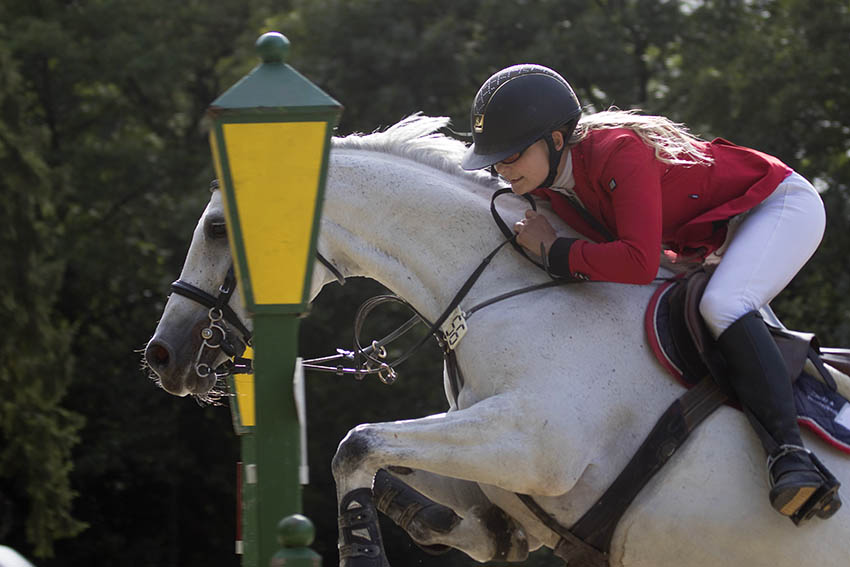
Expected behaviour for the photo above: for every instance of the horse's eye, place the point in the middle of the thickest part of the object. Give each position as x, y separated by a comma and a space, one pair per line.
216, 229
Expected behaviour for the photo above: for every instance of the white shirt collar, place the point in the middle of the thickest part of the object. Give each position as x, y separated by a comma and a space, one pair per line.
565, 182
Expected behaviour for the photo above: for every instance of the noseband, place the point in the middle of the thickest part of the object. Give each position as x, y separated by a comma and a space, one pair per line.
217, 335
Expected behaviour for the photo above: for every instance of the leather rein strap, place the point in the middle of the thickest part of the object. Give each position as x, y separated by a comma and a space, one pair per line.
507, 231
374, 354
376, 364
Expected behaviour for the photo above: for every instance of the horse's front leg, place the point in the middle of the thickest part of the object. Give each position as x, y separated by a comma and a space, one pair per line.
440, 513
497, 442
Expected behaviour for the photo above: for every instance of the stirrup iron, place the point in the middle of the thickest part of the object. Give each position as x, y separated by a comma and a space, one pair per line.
823, 501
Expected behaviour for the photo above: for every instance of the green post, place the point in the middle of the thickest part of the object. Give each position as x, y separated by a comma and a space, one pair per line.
278, 490
295, 534
270, 141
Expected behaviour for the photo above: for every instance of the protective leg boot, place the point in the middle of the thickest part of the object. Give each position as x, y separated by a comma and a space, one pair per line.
800, 486
360, 542
415, 513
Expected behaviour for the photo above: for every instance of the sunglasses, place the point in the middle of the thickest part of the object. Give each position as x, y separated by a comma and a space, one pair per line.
513, 157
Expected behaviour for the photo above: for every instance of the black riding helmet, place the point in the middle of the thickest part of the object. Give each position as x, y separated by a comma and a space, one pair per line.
516, 107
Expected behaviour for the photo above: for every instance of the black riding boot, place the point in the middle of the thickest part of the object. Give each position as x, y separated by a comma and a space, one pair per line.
799, 484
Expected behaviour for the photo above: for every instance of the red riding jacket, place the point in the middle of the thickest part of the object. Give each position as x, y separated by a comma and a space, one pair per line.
645, 202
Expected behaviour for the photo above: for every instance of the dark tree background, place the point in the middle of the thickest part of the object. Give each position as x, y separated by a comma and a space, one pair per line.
104, 165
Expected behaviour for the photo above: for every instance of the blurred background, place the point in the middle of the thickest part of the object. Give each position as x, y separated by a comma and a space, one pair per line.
104, 169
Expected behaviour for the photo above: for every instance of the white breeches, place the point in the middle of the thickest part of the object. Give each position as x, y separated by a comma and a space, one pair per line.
772, 242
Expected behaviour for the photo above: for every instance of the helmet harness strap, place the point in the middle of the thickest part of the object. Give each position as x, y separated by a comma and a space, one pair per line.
554, 160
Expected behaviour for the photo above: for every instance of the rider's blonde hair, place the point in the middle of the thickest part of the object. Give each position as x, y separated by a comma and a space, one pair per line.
671, 141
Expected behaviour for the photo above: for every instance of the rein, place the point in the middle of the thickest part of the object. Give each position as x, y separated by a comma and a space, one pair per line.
372, 359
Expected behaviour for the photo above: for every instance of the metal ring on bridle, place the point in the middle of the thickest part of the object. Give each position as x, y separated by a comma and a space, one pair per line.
379, 350
213, 327
387, 374
215, 314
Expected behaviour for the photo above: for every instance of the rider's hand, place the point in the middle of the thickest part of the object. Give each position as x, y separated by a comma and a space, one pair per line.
534, 230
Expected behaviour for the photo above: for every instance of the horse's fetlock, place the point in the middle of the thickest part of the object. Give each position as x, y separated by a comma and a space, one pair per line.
511, 543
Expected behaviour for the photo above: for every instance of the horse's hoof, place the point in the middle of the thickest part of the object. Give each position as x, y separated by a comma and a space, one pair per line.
509, 538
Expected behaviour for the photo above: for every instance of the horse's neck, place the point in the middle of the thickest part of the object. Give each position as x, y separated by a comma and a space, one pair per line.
417, 230
421, 233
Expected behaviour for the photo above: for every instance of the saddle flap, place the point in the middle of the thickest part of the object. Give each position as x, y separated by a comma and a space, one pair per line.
795, 347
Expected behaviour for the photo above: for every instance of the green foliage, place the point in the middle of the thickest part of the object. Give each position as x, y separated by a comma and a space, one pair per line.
770, 75
36, 432
104, 162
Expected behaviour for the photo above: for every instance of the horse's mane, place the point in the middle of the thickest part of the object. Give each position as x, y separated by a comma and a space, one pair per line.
417, 138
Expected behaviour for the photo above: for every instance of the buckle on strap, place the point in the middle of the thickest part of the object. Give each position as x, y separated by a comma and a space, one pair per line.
358, 518
347, 550
577, 552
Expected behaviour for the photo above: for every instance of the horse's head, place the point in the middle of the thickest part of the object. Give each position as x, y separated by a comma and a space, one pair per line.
204, 323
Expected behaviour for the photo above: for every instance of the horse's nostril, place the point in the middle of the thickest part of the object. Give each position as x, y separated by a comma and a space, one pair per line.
157, 355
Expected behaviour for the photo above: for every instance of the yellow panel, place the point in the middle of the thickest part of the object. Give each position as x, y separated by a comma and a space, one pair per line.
245, 393
275, 168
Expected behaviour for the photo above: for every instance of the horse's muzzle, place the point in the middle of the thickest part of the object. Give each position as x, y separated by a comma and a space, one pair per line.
180, 381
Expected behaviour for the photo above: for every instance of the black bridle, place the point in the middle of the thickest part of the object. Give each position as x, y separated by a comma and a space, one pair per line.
218, 335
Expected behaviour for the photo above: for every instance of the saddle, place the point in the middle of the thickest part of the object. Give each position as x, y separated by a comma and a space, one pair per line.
683, 345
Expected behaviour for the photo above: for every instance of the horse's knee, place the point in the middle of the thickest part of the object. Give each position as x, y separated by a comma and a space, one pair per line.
352, 452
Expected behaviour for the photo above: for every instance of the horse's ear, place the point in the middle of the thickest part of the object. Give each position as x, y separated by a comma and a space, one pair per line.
213, 185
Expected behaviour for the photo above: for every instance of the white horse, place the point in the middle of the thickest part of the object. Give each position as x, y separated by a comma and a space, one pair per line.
11, 558
559, 386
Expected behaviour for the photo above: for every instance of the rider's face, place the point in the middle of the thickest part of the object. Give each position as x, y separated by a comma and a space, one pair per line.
526, 172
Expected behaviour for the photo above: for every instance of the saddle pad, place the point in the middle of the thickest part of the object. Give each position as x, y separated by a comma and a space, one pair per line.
823, 410
819, 408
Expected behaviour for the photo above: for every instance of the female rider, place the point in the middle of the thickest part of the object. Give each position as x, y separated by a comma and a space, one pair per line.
646, 184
